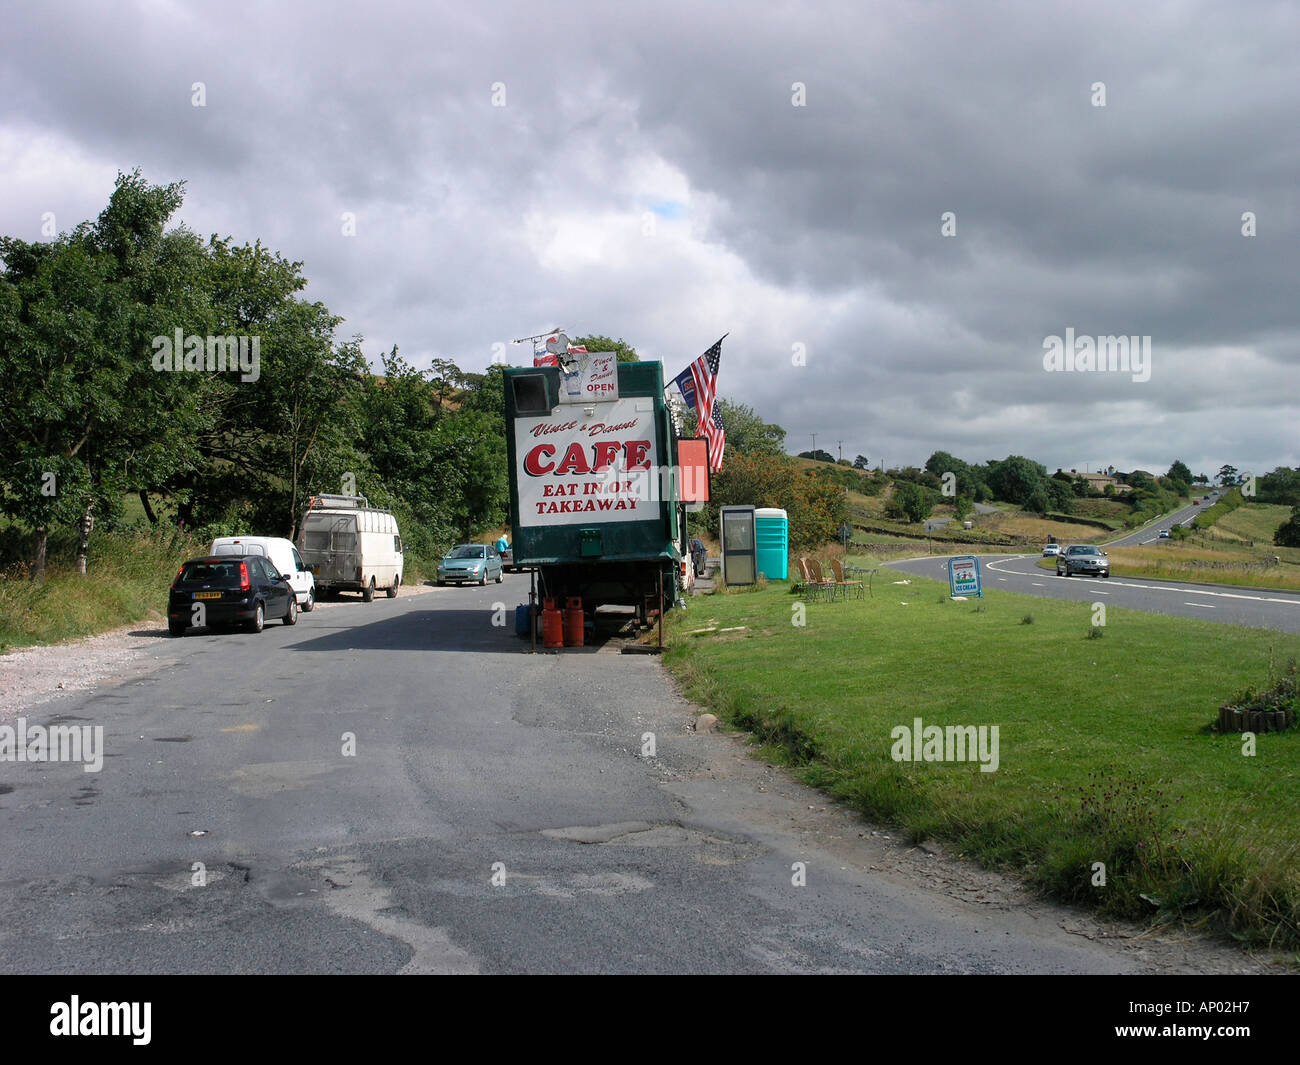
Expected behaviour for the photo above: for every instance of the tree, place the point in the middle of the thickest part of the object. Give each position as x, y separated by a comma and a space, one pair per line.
911, 501
1288, 534
83, 399
1142, 483
595, 342
816, 505
1179, 472
1038, 501
1060, 494
1281, 486
861, 463
819, 455
1015, 479
1227, 475
747, 432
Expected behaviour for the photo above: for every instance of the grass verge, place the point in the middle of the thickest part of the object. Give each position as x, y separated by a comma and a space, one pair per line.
127, 577
1105, 750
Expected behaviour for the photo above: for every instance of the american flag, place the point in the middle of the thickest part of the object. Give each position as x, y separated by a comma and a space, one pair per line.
699, 386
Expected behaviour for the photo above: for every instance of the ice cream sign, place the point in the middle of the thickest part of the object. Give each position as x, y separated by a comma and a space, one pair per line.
964, 576
590, 378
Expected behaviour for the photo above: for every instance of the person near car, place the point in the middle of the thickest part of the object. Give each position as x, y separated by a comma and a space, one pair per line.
503, 545
698, 555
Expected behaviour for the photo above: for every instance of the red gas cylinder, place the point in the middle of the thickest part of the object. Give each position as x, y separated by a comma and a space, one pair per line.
552, 624
573, 622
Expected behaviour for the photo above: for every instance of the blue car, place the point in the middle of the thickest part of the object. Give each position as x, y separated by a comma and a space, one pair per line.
475, 563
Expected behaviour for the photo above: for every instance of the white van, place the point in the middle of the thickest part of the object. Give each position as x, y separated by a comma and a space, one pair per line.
351, 547
284, 557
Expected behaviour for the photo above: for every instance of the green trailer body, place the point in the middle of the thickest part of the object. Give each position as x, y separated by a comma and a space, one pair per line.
594, 484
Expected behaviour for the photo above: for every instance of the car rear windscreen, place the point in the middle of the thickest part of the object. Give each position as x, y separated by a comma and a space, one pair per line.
209, 572
239, 549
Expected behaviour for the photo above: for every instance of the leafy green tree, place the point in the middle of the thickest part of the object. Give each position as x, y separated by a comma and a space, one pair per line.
747, 432
861, 463
1281, 486
911, 501
1016, 478
818, 456
1142, 483
1227, 474
1060, 494
1288, 534
969, 478
1180, 472
77, 317
595, 342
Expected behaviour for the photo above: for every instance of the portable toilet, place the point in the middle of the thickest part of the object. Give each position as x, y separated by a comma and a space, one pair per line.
739, 561
772, 540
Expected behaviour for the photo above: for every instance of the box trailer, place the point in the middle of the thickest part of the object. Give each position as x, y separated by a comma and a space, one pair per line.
594, 484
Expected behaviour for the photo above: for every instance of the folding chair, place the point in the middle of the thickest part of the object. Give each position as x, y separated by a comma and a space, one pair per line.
838, 570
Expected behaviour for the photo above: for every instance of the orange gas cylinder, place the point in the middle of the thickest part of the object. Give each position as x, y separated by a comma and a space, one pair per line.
573, 622
552, 625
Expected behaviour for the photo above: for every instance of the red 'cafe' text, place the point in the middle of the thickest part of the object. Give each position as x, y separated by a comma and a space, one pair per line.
538, 461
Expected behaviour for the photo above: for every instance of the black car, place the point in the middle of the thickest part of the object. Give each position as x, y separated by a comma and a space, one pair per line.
1081, 558
228, 590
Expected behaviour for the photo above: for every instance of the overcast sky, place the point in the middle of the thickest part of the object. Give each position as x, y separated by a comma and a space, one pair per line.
781, 172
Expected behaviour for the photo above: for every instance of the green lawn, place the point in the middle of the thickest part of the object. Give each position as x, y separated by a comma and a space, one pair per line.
1104, 750
1254, 521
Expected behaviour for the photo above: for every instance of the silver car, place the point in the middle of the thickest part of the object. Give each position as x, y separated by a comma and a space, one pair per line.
1082, 558
475, 563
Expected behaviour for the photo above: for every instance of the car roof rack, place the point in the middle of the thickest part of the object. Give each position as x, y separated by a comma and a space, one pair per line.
325, 500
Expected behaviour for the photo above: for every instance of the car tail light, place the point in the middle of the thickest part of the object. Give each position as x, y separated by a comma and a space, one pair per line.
243, 576
177, 579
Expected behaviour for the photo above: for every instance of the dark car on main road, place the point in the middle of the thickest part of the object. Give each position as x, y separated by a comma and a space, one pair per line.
228, 590
1082, 558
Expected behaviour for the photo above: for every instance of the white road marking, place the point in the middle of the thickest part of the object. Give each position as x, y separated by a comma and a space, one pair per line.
1160, 587
1203, 606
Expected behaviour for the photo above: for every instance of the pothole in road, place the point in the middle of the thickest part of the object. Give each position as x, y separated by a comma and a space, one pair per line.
711, 849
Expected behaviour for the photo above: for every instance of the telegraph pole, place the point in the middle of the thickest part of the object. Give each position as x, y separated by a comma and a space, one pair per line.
814, 436
840, 443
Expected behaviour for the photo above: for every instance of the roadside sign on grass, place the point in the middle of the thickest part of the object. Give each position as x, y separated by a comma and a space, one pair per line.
964, 576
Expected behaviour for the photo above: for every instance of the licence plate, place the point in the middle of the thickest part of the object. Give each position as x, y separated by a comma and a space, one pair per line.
207, 595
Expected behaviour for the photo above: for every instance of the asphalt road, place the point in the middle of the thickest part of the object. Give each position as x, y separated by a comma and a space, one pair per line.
1151, 533
498, 815
1254, 607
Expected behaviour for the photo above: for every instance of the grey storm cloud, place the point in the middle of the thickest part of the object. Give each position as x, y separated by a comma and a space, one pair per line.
645, 172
